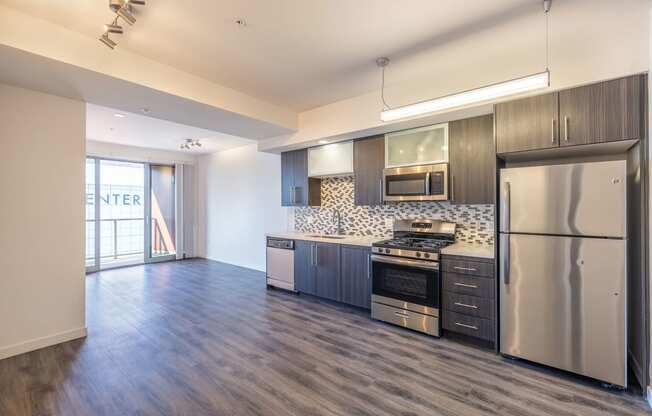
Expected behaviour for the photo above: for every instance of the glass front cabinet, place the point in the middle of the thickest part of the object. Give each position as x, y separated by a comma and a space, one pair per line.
421, 146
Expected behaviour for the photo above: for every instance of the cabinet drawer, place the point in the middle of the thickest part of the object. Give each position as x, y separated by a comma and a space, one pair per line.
468, 285
468, 305
468, 325
475, 268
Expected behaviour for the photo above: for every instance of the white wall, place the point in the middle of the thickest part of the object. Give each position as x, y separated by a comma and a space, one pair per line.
589, 41
239, 196
42, 278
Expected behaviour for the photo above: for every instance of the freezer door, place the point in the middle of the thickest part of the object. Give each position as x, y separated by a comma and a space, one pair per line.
587, 199
562, 303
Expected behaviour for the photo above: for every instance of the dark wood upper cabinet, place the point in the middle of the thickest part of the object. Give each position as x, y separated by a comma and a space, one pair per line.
297, 189
603, 112
368, 164
472, 160
287, 178
527, 124
356, 276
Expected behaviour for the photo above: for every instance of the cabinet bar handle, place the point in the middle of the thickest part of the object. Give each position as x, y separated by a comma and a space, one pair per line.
469, 269
452, 188
465, 285
565, 128
475, 328
369, 266
464, 305
402, 314
553, 131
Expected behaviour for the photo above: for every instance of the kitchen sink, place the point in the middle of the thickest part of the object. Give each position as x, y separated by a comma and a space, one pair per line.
334, 237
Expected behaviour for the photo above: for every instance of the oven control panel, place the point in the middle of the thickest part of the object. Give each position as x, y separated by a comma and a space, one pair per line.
405, 253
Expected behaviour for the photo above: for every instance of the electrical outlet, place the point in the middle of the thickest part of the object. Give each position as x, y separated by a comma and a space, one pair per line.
310, 220
389, 222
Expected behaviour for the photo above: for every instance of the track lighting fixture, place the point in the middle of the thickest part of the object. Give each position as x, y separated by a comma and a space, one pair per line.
108, 42
189, 144
113, 28
123, 10
125, 13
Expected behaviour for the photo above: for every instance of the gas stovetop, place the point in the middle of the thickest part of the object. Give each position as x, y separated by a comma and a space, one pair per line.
419, 239
419, 248
422, 244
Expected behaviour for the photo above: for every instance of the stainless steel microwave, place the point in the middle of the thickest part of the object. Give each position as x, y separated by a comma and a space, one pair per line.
416, 183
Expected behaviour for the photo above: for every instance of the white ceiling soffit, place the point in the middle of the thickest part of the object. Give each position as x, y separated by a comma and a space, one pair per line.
296, 54
32, 71
105, 124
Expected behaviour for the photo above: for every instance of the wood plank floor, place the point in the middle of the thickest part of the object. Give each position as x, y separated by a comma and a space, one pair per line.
203, 338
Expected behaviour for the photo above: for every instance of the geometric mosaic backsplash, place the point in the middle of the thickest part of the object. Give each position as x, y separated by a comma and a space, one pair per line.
475, 223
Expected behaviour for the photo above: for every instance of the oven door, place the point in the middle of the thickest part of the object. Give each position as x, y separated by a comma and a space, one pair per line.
405, 283
416, 183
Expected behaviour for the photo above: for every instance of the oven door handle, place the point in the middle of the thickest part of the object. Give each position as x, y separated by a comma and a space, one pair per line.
420, 264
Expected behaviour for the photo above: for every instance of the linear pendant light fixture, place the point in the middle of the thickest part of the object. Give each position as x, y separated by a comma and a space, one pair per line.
474, 96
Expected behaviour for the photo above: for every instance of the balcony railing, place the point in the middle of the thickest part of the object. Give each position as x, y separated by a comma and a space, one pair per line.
159, 246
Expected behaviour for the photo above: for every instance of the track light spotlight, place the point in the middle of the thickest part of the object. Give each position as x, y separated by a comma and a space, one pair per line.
116, 5
107, 41
125, 13
113, 28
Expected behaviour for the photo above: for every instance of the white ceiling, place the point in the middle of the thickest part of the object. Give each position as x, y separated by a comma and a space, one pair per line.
103, 125
295, 53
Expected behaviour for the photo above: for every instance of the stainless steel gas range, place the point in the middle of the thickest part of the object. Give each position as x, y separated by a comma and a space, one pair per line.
406, 279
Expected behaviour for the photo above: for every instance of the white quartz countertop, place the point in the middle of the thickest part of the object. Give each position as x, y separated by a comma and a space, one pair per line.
469, 250
351, 240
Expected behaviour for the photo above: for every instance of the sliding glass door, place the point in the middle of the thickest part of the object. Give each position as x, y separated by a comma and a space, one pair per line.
122, 213
130, 213
161, 206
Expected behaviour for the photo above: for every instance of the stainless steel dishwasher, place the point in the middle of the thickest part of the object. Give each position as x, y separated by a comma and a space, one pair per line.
280, 263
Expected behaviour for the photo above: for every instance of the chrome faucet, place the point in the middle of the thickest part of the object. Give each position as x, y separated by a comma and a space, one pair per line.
337, 218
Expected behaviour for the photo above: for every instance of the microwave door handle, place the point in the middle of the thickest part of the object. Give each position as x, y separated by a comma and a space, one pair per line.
428, 183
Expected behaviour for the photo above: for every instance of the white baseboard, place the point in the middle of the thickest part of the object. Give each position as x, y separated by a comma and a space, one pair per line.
38, 343
649, 396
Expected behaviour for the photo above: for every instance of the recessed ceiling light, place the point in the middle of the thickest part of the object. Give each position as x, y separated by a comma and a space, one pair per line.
119, 115
323, 142
145, 110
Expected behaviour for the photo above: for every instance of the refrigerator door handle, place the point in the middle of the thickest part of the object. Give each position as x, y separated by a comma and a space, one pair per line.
505, 257
506, 205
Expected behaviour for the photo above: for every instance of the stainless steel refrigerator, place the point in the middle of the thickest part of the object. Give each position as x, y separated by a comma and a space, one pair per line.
563, 244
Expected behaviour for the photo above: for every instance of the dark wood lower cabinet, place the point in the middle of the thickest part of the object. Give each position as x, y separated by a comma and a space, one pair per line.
469, 325
468, 304
333, 271
304, 275
327, 270
356, 276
